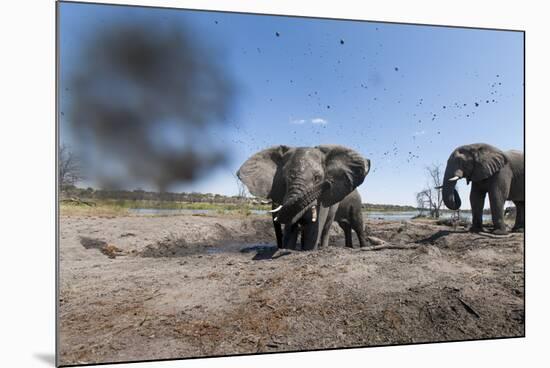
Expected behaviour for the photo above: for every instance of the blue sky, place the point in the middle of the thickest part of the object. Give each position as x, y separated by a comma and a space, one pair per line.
404, 96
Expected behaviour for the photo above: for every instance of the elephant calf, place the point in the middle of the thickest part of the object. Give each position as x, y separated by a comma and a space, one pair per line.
350, 216
491, 171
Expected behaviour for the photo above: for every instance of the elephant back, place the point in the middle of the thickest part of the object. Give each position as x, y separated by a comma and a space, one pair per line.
517, 164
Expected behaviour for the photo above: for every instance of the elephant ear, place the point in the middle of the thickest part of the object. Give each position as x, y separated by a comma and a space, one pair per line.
345, 170
262, 173
488, 160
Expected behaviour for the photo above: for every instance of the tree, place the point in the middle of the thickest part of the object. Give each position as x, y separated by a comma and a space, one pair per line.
431, 196
69, 168
435, 181
421, 201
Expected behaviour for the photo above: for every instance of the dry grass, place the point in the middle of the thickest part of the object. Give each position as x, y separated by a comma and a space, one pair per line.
111, 209
66, 209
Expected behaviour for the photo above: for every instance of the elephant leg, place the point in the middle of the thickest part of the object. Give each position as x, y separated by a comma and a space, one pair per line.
290, 236
497, 200
303, 237
477, 201
278, 232
347, 234
326, 227
314, 231
357, 225
519, 225
310, 234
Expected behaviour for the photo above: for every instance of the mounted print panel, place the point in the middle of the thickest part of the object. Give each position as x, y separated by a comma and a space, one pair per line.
234, 183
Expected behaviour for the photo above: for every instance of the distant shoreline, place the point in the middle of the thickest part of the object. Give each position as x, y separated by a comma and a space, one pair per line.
125, 199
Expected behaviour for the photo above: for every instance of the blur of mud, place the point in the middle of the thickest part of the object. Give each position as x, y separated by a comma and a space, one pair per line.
142, 101
187, 286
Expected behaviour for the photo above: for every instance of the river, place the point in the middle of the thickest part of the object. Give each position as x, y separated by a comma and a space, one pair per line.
391, 216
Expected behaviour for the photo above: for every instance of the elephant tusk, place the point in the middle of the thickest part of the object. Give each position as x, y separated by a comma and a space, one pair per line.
276, 209
454, 178
314, 214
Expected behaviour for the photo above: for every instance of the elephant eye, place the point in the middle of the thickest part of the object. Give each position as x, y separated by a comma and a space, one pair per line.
317, 177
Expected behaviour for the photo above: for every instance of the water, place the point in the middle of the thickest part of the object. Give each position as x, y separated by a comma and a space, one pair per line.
243, 248
259, 251
407, 215
389, 216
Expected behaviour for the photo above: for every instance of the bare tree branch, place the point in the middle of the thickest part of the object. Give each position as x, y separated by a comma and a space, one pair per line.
431, 197
69, 168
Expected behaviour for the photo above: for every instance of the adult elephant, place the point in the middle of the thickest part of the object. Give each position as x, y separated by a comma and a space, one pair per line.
491, 171
305, 185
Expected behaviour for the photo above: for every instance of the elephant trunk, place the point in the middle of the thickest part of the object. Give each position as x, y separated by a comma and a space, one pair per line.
451, 198
297, 203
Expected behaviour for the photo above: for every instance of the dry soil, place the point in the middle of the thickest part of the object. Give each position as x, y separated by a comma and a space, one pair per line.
157, 287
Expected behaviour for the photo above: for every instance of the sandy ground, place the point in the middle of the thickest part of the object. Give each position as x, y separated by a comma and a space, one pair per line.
156, 287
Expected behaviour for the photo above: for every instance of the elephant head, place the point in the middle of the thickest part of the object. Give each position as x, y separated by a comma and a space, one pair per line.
299, 179
473, 162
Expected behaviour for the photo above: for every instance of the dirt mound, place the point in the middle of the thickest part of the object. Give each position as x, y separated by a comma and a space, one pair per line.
258, 230
218, 238
170, 246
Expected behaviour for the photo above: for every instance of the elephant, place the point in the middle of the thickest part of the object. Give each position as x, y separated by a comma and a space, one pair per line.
491, 171
349, 215
305, 185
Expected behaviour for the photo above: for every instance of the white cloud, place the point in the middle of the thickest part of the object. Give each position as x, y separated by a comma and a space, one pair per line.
319, 121
316, 121
422, 132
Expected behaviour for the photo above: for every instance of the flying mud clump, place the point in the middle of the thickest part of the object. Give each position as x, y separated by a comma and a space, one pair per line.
142, 100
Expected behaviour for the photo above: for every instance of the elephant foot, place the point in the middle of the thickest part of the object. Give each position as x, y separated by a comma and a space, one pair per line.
500, 232
518, 229
476, 229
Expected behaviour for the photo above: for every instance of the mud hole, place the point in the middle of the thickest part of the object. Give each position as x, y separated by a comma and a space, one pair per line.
187, 286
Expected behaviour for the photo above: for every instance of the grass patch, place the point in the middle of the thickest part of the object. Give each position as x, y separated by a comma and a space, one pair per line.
173, 205
112, 207
70, 209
